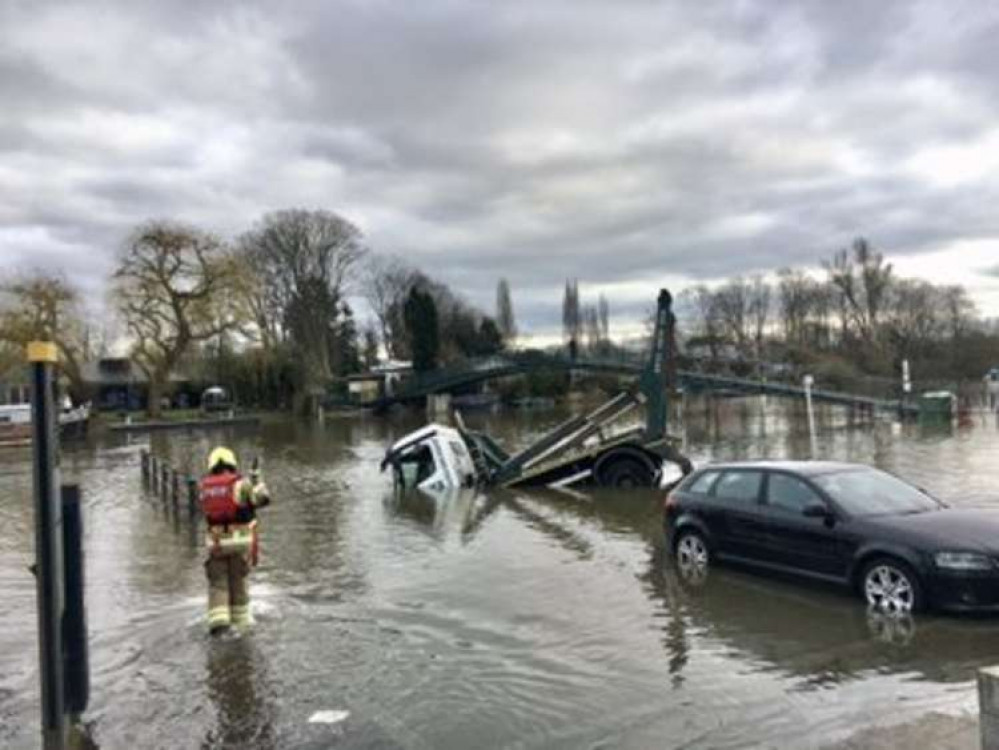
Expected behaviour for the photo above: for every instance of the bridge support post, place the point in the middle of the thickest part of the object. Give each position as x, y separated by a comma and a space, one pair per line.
438, 405
807, 382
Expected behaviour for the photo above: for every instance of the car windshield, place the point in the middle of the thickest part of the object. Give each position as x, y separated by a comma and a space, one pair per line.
869, 492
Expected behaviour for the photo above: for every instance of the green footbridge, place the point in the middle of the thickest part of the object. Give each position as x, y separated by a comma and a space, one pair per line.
420, 385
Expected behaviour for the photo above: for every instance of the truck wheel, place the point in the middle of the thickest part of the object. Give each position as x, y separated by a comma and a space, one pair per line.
626, 473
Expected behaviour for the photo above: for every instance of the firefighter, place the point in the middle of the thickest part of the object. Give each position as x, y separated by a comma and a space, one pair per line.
229, 503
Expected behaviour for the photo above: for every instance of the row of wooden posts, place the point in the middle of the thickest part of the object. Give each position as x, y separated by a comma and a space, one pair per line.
168, 483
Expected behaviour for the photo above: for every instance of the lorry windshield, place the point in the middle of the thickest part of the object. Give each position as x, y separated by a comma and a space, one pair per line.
415, 466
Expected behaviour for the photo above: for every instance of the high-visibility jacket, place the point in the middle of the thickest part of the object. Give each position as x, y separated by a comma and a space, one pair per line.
228, 504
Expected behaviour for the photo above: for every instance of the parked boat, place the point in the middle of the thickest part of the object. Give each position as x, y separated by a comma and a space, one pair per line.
16, 429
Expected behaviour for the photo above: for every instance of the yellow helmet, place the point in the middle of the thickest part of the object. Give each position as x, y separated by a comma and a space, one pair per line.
221, 455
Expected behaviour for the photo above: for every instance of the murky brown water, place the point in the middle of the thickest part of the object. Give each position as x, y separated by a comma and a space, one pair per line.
478, 621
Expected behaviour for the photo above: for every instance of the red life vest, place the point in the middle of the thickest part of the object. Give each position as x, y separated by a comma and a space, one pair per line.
218, 498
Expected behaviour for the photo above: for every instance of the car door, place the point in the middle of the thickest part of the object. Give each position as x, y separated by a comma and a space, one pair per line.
736, 498
812, 545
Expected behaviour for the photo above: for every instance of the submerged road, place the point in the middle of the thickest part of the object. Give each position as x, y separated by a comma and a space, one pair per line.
504, 620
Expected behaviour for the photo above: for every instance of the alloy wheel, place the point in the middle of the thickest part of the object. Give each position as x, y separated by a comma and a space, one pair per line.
889, 590
692, 558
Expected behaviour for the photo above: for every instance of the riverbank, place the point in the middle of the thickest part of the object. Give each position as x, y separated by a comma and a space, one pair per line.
185, 424
173, 420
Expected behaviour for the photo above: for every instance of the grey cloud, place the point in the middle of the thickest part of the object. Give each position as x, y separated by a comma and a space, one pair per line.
614, 142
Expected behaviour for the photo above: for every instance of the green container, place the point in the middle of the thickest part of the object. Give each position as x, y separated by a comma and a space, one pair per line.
936, 407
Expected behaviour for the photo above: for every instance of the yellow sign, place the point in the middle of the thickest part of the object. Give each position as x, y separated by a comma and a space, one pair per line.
42, 351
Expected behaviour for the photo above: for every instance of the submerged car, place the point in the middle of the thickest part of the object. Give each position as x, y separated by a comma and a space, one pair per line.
899, 548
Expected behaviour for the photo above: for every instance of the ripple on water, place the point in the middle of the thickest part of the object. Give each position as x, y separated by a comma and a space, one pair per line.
506, 620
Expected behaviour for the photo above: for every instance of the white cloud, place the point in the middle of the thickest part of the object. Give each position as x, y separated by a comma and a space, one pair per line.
952, 164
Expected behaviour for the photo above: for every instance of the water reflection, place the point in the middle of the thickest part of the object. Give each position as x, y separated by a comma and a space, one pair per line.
495, 618
453, 510
817, 635
238, 687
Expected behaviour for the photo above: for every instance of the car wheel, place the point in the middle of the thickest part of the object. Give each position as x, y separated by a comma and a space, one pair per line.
692, 557
626, 473
889, 586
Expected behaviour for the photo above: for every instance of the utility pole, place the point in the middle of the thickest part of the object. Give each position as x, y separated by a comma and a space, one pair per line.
49, 570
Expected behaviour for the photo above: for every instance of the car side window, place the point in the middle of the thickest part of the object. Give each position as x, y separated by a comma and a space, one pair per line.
739, 486
702, 485
789, 493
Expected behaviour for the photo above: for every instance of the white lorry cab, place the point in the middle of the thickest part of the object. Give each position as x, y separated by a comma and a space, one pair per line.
433, 458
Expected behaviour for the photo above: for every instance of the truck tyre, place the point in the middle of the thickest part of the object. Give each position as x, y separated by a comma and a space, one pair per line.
626, 472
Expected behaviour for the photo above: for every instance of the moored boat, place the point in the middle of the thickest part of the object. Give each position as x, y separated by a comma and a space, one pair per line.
16, 429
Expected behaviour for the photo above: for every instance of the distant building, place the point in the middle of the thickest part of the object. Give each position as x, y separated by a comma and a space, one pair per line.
14, 386
119, 385
366, 387
383, 380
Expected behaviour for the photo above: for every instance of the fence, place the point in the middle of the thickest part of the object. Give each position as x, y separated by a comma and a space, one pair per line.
169, 484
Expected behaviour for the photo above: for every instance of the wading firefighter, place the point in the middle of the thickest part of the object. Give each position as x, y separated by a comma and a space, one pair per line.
229, 503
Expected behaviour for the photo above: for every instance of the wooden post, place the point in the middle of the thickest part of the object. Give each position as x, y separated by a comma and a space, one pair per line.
74, 631
175, 489
192, 495
145, 468
164, 482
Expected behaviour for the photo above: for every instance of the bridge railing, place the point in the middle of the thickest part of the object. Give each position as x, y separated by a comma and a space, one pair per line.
737, 376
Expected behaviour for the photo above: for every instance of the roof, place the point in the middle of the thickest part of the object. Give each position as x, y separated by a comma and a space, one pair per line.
809, 468
121, 371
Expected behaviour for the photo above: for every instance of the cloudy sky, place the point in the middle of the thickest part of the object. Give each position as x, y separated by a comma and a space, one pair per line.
631, 144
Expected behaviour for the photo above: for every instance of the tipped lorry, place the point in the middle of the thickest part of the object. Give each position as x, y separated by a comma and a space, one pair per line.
588, 449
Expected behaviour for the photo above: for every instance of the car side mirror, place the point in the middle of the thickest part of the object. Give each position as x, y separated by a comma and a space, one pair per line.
816, 510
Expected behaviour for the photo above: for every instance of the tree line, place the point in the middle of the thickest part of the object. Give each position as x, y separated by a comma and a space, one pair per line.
265, 313
858, 318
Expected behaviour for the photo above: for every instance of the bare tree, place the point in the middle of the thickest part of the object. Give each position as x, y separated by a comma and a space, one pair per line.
603, 310
699, 305
369, 347
173, 285
304, 259
804, 307
262, 318
913, 316
863, 280
731, 307
40, 305
386, 283
504, 312
758, 311
591, 327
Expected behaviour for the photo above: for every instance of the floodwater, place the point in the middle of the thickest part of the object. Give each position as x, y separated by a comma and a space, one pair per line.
501, 620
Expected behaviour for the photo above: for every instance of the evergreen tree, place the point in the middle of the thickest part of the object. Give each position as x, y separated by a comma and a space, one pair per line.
572, 321
504, 311
420, 313
348, 355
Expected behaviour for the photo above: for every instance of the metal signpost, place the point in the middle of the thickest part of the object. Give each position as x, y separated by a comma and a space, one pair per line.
49, 569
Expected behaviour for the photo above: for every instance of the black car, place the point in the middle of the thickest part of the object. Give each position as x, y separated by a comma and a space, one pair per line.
893, 543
